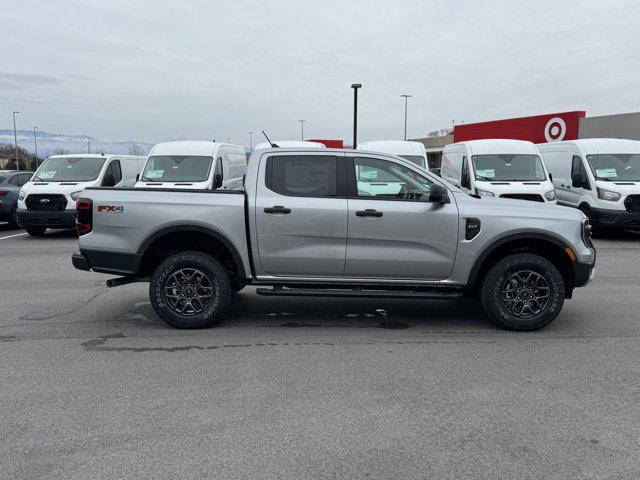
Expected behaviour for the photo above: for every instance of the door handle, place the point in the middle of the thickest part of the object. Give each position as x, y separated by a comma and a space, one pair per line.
277, 209
369, 212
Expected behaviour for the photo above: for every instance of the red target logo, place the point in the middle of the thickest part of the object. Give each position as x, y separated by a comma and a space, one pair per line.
555, 130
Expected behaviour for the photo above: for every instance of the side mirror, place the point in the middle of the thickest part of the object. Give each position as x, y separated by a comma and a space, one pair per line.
217, 181
137, 177
578, 180
109, 180
550, 177
438, 194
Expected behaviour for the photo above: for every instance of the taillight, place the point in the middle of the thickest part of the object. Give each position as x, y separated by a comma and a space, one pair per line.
84, 220
3, 192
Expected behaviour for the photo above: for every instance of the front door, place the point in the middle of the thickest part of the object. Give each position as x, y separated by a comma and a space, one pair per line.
301, 215
396, 233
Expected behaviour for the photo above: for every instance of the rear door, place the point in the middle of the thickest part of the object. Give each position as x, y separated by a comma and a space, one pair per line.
397, 235
301, 215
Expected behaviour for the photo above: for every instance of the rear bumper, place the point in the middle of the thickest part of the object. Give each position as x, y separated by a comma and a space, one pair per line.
127, 264
61, 219
617, 218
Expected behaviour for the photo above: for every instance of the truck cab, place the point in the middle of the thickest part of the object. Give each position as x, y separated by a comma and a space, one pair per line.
48, 200
194, 165
600, 176
498, 168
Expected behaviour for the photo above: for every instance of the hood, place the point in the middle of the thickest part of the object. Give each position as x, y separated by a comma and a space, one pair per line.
508, 207
625, 188
64, 188
498, 187
187, 185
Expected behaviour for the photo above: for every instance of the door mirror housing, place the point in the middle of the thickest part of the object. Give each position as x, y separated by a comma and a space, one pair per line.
578, 180
109, 179
217, 180
137, 177
550, 177
438, 194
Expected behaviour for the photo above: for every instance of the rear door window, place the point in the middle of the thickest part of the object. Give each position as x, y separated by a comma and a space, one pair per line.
303, 175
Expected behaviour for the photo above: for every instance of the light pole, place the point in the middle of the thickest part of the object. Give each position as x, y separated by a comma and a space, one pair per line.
301, 129
88, 145
35, 144
15, 139
251, 141
406, 98
355, 87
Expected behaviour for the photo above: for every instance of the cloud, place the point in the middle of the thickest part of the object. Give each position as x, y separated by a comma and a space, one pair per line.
23, 81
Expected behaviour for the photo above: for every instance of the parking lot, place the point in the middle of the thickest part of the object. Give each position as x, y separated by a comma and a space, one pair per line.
94, 385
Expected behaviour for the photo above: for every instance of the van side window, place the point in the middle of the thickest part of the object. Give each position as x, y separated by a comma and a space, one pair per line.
303, 175
112, 175
578, 167
465, 181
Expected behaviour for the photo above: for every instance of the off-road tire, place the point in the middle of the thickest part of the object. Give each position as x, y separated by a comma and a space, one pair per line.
496, 280
217, 276
36, 231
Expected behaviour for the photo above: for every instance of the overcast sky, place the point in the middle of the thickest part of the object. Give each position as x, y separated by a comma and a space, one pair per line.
153, 70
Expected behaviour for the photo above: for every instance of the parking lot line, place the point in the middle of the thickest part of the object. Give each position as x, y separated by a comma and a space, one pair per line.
11, 236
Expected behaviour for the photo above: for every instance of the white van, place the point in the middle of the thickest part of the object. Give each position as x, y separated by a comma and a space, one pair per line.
498, 168
600, 176
290, 144
48, 200
412, 151
196, 165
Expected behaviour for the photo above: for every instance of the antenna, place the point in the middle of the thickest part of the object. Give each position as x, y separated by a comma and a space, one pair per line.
273, 145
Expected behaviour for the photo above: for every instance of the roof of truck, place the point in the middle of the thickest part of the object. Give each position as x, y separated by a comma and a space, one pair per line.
497, 146
596, 145
289, 144
189, 147
397, 147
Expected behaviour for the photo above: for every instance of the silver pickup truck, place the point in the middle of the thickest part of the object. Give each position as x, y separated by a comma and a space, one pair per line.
337, 223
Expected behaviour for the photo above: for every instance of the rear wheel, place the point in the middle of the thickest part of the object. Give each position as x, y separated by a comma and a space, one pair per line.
36, 231
522, 292
190, 290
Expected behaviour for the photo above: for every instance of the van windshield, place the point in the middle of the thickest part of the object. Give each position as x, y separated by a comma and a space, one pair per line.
615, 166
69, 169
417, 159
508, 168
177, 168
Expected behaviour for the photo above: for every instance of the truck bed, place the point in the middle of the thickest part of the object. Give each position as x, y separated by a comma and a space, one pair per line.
124, 219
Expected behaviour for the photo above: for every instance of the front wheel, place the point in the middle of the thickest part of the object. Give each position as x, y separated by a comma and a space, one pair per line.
36, 231
522, 292
13, 219
190, 290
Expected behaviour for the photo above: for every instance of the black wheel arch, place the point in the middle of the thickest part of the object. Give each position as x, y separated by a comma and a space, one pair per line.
545, 244
172, 232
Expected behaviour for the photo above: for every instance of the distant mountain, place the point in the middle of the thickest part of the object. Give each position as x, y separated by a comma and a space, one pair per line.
48, 143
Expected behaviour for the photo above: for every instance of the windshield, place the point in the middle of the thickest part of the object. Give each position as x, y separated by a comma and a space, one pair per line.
417, 159
615, 166
177, 168
69, 169
505, 168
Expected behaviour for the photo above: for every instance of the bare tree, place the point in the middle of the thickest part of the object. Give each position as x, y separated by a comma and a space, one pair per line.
60, 151
440, 133
137, 150
179, 137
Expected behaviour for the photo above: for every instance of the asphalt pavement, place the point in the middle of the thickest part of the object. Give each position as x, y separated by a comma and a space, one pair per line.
94, 385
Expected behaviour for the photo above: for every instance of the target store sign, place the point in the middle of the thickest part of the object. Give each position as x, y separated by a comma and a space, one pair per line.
552, 127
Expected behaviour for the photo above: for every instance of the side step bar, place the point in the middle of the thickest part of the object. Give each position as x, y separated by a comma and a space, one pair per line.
360, 293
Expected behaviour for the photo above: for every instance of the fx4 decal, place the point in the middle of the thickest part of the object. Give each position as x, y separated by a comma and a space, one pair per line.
110, 208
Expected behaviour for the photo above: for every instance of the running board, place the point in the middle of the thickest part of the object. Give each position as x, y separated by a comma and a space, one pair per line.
359, 293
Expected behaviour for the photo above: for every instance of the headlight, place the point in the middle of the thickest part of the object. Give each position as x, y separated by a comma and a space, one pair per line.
550, 195
484, 193
75, 195
22, 195
608, 195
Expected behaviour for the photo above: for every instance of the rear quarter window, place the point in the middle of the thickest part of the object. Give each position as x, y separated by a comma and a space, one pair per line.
303, 175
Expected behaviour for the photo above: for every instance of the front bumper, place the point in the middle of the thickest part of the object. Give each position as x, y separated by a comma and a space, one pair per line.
57, 219
583, 273
617, 218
